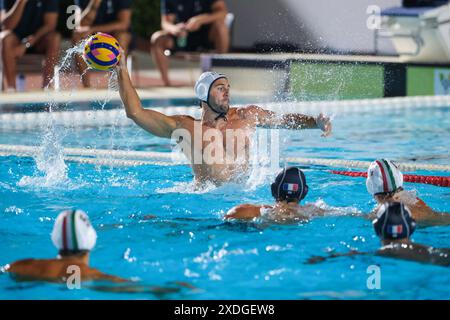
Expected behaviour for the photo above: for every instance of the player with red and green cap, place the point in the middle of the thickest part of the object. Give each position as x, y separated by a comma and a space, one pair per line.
385, 183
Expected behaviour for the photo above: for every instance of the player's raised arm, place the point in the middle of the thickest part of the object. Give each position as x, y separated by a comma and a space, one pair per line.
152, 121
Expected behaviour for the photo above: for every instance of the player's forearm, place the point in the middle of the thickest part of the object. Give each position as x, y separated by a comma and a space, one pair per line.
12, 18
298, 121
152, 121
435, 219
128, 94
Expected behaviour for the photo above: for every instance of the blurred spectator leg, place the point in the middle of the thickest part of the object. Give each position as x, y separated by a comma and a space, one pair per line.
50, 45
80, 63
10, 43
160, 42
219, 35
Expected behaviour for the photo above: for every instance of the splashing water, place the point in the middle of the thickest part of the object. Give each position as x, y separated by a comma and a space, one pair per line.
337, 211
49, 161
264, 158
188, 188
51, 168
65, 67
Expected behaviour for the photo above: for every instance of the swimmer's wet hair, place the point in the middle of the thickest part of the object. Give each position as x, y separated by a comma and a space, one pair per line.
72, 253
389, 194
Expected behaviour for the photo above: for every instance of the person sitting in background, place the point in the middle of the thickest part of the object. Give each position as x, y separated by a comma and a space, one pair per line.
29, 26
289, 189
189, 25
385, 183
74, 237
394, 225
107, 16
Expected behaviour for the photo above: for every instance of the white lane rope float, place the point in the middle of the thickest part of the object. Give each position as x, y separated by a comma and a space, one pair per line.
404, 166
138, 158
96, 118
101, 157
117, 117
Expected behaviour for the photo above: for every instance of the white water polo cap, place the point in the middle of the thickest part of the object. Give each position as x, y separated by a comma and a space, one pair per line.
383, 176
73, 231
204, 83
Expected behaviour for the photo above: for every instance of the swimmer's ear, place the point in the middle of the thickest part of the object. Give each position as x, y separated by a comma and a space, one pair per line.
305, 192
273, 188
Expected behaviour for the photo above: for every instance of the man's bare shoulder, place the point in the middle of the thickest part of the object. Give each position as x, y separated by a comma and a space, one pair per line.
250, 206
35, 268
421, 212
35, 263
244, 206
246, 111
184, 118
49, 269
245, 211
26, 261
22, 263
184, 121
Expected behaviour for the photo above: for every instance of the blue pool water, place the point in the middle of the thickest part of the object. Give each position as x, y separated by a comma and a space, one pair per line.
188, 240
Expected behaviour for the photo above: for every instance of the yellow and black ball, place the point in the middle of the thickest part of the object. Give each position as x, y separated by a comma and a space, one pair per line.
102, 52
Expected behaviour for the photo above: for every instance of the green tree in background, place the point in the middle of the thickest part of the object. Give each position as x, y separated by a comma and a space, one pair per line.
146, 17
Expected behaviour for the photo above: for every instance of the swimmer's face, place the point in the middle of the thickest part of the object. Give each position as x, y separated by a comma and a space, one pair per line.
219, 96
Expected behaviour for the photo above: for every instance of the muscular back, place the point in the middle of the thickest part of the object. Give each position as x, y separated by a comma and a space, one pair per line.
55, 270
278, 213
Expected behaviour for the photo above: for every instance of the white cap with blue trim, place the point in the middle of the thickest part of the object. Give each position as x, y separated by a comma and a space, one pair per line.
204, 83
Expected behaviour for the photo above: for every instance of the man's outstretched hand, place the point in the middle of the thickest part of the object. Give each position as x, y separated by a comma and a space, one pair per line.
324, 124
123, 61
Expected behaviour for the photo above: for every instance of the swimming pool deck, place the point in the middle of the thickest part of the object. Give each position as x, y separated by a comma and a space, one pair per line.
84, 95
147, 82
91, 95
145, 77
